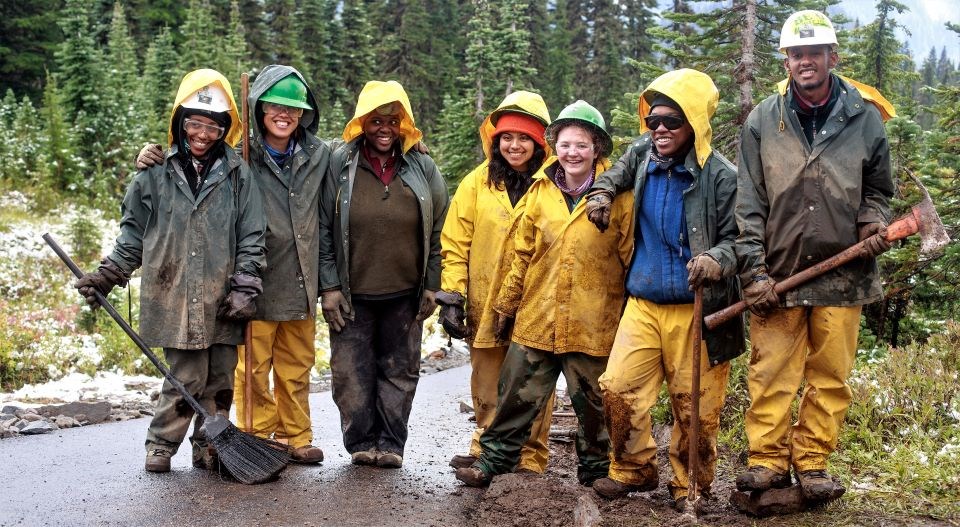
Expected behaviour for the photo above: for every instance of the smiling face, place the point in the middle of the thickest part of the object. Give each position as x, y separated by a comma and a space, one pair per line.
809, 67
576, 152
517, 149
202, 132
279, 123
381, 131
668, 142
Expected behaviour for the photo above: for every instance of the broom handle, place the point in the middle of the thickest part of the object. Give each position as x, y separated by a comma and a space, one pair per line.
693, 452
127, 329
248, 327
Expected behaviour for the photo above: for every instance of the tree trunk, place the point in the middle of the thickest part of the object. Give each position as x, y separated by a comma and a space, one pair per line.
744, 72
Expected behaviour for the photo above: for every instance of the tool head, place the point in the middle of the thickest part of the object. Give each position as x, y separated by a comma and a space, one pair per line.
933, 235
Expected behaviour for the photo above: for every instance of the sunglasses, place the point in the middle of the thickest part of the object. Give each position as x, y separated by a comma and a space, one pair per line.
671, 122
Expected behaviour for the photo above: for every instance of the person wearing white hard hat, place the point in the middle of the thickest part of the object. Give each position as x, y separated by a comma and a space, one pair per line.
814, 178
195, 225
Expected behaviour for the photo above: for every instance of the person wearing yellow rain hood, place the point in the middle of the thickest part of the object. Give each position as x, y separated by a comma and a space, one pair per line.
685, 234
473, 239
195, 223
379, 270
563, 296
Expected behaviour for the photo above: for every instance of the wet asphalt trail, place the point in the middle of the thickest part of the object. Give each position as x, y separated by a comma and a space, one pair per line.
94, 476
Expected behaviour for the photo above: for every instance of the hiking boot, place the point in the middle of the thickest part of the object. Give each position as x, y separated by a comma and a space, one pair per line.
462, 461
389, 460
205, 457
364, 457
762, 478
158, 460
613, 489
306, 455
473, 477
817, 485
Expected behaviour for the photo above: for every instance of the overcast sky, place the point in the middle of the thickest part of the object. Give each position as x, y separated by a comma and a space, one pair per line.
925, 21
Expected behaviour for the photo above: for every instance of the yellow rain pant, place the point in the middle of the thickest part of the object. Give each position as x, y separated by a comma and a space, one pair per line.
486, 364
655, 342
816, 344
287, 349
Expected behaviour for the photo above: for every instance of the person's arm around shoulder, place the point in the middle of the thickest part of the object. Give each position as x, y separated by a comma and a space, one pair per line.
619, 178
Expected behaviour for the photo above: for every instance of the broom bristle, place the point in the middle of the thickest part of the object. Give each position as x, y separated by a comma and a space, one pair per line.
248, 458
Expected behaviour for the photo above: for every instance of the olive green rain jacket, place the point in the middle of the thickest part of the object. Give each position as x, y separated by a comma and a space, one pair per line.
708, 204
475, 231
417, 171
799, 204
291, 203
190, 246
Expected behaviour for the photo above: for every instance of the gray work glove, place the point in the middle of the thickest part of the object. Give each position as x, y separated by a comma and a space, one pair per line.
598, 208
701, 269
334, 306
151, 154
760, 296
427, 305
452, 314
240, 303
502, 326
104, 279
875, 236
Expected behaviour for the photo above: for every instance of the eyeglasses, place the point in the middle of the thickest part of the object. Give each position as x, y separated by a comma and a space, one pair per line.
671, 122
197, 126
277, 109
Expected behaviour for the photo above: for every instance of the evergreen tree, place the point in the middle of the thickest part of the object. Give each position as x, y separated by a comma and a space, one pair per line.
358, 63
512, 46
945, 69
322, 39
556, 75
876, 57
8, 107
255, 26
28, 145
406, 51
233, 57
161, 74
197, 49
124, 101
29, 36
458, 144
605, 82
59, 143
79, 64
481, 71
285, 46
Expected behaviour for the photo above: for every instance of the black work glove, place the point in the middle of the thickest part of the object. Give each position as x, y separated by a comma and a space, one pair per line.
502, 326
760, 296
240, 303
598, 208
104, 279
452, 314
151, 154
701, 269
427, 305
875, 236
335, 309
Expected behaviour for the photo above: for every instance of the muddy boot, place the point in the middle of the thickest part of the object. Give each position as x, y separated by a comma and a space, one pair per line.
364, 457
762, 478
613, 489
818, 485
389, 460
205, 456
473, 477
462, 461
306, 455
158, 460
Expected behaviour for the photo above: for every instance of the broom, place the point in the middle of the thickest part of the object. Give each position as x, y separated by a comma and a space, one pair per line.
248, 458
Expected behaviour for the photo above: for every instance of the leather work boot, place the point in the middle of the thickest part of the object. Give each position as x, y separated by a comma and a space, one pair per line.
473, 477
158, 460
306, 455
613, 489
364, 457
817, 485
762, 478
462, 461
389, 460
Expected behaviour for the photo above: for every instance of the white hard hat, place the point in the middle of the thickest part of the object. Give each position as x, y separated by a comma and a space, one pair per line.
807, 28
211, 98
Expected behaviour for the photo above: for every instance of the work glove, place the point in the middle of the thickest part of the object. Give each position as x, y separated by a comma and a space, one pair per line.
151, 154
502, 326
760, 296
240, 303
874, 235
334, 306
452, 314
598, 208
427, 305
703, 268
104, 279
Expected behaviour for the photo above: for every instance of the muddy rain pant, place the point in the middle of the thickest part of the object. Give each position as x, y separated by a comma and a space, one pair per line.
655, 343
813, 344
528, 379
208, 375
486, 364
284, 351
375, 366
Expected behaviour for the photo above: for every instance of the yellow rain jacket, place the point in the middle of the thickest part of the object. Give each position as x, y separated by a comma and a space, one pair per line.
375, 94
476, 228
192, 82
565, 286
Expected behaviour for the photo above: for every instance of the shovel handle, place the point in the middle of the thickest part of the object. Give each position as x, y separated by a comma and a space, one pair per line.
127, 329
901, 228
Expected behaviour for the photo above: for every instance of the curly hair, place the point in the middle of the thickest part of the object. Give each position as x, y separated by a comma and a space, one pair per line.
503, 177
553, 132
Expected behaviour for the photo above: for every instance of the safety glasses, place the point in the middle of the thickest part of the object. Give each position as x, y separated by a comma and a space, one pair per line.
213, 131
277, 109
671, 122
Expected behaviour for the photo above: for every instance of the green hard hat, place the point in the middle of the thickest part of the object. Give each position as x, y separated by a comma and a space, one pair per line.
583, 113
288, 91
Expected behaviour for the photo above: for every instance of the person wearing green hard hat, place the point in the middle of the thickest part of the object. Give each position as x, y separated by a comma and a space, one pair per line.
560, 300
